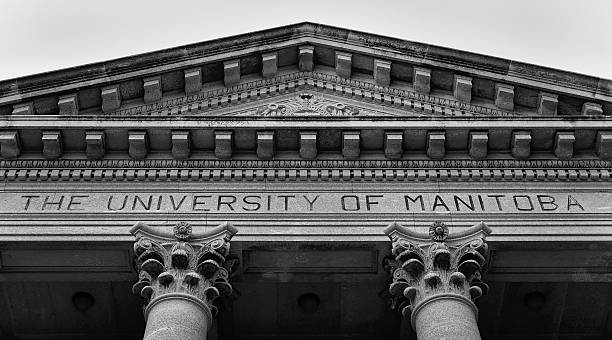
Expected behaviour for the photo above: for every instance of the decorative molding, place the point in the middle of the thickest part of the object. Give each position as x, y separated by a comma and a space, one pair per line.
183, 262
207, 102
305, 104
305, 170
436, 263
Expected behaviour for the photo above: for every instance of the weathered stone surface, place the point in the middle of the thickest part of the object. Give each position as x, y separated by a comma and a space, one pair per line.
351, 144
382, 72
591, 109
269, 63
422, 79
265, 144
436, 148
344, 64
521, 144
446, 317
193, 80
223, 144
308, 144
479, 145
10, 146
111, 98
23, 109
564, 145
603, 144
68, 104
393, 144
177, 316
181, 147
306, 58
547, 104
231, 71
95, 144
462, 88
139, 144
504, 96
52, 144
152, 89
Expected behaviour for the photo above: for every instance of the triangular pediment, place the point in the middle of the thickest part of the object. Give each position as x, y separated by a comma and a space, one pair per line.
401, 77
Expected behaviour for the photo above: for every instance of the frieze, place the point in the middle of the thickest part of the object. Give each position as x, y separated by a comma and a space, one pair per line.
224, 97
212, 201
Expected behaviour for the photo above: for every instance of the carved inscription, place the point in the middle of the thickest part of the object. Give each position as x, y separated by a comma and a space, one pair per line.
306, 202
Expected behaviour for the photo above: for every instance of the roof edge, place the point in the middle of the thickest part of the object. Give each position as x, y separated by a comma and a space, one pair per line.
424, 53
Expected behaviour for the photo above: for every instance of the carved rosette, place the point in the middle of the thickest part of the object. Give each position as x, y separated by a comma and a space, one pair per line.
437, 263
183, 262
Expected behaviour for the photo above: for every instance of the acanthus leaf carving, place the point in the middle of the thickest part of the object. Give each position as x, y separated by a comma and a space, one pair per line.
183, 262
424, 265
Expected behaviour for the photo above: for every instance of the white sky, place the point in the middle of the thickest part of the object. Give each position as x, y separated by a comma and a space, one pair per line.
43, 35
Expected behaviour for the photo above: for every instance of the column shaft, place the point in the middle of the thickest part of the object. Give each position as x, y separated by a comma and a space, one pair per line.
177, 316
446, 317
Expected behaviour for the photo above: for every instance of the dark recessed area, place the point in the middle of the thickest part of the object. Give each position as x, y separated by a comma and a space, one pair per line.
83, 301
309, 302
534, 301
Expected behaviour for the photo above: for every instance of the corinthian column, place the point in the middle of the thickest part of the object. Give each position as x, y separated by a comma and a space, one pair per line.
181, 273
437, 277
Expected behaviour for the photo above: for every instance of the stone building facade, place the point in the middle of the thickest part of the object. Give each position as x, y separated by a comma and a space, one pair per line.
306, 182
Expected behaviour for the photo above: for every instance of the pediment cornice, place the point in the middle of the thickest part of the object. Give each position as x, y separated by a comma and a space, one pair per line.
426, 55
309, 94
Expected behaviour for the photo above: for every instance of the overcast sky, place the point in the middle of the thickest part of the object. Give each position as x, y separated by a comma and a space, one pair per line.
43, 35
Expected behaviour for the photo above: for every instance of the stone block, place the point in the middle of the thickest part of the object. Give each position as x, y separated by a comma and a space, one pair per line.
231, 71
23, 109
436, 147
139, 144
152, 89
68, 104
111, 98
95, 144
306, 58
564, 145
193, 80
382, 72
521, 144
223, 144
603, 144
547, 104
265, 144
504, 96
351, 144
422, 80
462, 88
10, 145
592, 109
308, 144
479, 145
52, 144
344, 63
180, 144
269, 63
393, 145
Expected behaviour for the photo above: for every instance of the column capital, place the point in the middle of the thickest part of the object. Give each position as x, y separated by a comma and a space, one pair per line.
437, 263
181, 262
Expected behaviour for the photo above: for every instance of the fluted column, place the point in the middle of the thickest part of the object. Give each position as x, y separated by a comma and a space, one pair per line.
181, 273
437, 277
